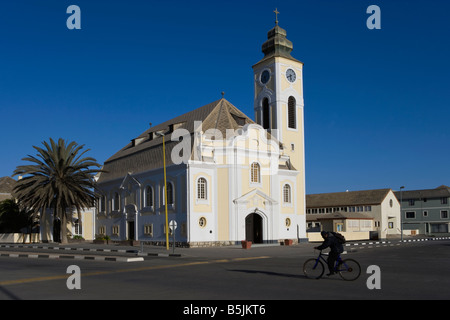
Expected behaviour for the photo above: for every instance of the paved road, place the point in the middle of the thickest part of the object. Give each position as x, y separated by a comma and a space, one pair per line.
408, 271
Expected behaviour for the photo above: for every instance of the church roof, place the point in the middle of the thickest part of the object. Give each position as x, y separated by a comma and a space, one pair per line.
6, 187
144, 153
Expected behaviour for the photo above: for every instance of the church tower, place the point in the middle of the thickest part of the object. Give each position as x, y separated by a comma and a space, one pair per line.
278, 100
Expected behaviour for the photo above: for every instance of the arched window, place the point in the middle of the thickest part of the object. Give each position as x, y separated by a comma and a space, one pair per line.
170, 194
255, 172
287, 193
202, 192
116, 200
148, 196
266, 114
292, 117
102, 204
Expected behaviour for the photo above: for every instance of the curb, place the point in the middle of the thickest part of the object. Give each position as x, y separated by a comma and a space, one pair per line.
139, 254
391, 243
143, 254
72, 257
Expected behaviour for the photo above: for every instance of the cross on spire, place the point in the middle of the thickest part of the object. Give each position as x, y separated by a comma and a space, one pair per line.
276, 16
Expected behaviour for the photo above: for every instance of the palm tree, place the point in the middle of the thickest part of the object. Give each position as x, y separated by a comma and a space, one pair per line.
59, 178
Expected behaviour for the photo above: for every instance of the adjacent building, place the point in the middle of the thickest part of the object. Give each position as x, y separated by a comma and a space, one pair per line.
357, 214
425, 211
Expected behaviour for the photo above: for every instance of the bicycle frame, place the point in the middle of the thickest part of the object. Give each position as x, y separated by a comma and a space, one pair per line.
339, 261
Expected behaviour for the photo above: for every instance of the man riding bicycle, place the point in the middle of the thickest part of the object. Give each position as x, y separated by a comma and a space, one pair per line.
335, 249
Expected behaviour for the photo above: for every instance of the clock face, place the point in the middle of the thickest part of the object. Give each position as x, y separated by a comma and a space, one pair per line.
265, 76
290, 75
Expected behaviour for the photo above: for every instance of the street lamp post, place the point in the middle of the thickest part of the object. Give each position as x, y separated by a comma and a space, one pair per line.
161, 134
401, 214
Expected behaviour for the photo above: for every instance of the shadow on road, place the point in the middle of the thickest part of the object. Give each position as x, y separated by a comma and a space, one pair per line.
9, 294
271, 273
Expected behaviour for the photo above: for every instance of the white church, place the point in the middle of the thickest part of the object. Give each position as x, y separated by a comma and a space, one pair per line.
229, 178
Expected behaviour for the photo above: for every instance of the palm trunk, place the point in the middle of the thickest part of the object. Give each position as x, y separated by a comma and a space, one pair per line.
63, 227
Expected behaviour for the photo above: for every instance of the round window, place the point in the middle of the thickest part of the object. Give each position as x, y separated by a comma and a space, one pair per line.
202, 222
288, 222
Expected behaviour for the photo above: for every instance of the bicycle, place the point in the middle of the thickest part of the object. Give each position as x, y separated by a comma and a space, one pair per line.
348, 269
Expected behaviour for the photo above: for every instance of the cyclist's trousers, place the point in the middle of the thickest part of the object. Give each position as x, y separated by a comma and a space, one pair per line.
332, 257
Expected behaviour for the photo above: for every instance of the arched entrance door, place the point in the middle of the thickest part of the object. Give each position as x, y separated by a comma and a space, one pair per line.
254, 228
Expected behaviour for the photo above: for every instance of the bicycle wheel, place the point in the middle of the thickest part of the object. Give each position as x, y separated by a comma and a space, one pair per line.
349, 270
313, 269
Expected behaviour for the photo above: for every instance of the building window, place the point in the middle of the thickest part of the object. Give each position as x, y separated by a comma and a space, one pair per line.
292, 121
444, 200
77, 227
425, 213
287, 222
411, 202
116, 200
444, 214
391, 225
115, 230
102, 230
287, 193
170, 196
266, 114
102, 204
149, 196
255, 172
202, 189
410, 215
148, 230
202, 222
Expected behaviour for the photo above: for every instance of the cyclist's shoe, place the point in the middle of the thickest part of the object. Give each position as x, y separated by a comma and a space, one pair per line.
330, 274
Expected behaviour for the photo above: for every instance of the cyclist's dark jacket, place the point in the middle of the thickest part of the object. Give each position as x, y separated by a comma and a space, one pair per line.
332, 242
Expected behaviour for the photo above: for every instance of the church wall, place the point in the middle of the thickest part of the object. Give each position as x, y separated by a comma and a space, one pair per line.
223, 204
149, 222
202, 213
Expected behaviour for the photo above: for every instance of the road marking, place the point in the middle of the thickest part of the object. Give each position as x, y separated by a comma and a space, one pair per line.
98, 273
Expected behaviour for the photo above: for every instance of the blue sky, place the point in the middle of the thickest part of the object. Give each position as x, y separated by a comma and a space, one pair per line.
376, 101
